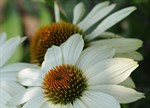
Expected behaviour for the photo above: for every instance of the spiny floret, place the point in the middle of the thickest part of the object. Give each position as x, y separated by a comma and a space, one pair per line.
52, 34
64, 84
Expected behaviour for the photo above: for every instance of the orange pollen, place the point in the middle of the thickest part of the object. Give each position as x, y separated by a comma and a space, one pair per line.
63, 84
52, 34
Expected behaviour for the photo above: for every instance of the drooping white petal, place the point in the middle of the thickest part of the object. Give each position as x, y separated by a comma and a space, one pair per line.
78, 12
134, 55
8, 76
8, 48
112, 71
15, 67
30, 77
121, 93
109, 35
95, 53
122, 45
45, 105
4, 96
79, 104
128, 83
2, 38
53, 57
72, 49
49, 104
57, 106
110, 21
12, 87
95, 99
36, 102
95, 10
96, 17
57, 12
9, 72
4, 106
69, 105
25, 96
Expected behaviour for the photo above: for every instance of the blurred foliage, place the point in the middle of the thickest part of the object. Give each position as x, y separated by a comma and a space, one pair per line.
24, 17
12, 26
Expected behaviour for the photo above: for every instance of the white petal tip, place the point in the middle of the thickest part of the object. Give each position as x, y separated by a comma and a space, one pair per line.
133, 8
105, 2
23, 39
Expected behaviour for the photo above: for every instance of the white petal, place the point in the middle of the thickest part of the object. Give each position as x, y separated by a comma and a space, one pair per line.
121, 93
8, 76
78, 12
53, 58
72, 49
2, 38
47, 105
109, 35
95, 10
122, 45
128, 83
25, 96
56, 106
110, 21
95, 99
134, 55
112, 71
8, 72
4, 106
12, 87
57, 12
96, 17
4, 96
69, 105
92, 55
79, 104
36, 102
30, 77
14, 68
8, 48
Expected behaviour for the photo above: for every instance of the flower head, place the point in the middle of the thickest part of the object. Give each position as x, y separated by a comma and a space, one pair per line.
72, 78
59, 32
53, 34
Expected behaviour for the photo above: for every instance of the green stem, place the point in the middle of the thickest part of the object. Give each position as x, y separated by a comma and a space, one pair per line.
124, 106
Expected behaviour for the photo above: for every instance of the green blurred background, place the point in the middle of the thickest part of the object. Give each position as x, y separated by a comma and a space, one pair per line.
24, 17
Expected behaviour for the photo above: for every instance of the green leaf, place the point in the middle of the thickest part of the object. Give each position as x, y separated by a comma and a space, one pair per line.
45, 16
13, 27
50, 2
43, 1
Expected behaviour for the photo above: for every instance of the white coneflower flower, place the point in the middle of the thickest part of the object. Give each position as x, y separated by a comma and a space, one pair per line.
72, 78
8, 85
58, 32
